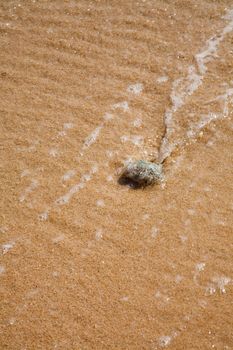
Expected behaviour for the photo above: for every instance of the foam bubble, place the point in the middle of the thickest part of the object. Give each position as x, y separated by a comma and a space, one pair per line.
200, 267
2, 269
137, 122
99, 234
43, 216
121, 105
108, 116
165, 341
100, 203
221, 282
6, 247
53, 152
58, 239
135, 89
68, 175
68, 125
137, 140
154, 232
162, 79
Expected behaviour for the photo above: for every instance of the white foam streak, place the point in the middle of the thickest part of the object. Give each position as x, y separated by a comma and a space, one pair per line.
137, 140
195, 129
211, 47
121, 105
68, 175
207, 54
182, 88
77, 187
198, 269
34, 184
92, 137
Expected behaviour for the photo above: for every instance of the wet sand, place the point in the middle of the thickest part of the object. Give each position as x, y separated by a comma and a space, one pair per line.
85, 262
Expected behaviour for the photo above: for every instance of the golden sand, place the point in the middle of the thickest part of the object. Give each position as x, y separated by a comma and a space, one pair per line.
87, 263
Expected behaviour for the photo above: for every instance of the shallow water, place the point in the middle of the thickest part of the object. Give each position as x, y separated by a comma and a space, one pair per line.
86, 87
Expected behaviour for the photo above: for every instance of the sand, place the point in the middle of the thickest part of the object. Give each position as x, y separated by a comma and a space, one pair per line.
85, 262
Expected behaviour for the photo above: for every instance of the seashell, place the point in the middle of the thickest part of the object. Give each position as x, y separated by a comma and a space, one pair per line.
141, 173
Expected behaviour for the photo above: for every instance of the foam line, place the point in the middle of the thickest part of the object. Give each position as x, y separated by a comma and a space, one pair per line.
182, 88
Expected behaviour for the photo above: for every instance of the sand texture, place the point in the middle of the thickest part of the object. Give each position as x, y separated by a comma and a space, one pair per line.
85, 262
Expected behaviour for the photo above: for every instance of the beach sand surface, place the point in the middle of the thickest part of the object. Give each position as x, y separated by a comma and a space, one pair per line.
87, 86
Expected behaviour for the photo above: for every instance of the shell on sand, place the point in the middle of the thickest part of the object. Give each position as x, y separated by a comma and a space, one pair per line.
142, 173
